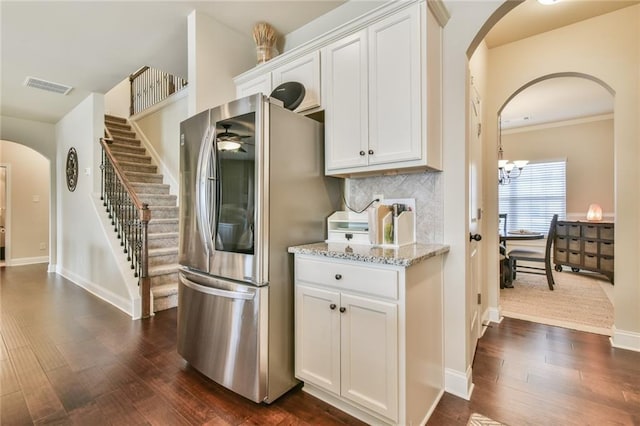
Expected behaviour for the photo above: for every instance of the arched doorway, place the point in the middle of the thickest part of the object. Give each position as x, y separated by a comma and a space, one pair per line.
578, 49
562, 124
26, 204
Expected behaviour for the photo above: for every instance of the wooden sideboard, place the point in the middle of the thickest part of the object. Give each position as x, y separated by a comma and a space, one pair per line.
585, 245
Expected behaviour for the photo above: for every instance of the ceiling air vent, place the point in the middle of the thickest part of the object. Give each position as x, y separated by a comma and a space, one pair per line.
49, 86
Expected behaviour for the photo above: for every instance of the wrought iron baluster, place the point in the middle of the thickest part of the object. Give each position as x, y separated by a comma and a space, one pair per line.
130, 219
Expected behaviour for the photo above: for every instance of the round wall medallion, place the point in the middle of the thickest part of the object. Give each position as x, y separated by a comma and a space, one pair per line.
72, 169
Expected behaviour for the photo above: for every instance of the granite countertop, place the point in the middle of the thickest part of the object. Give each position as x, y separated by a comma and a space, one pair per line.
401, 256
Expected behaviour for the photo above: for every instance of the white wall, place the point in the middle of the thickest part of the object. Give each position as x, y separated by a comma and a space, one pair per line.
467, 17
84, 252
216, 54
161, 130
117, 101
615, 60
29, 204
587, 145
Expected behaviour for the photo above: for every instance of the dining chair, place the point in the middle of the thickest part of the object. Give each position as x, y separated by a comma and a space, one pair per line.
505, 267
502, 223
535, 256
502, 228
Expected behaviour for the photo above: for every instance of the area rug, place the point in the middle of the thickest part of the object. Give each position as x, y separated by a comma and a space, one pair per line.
577, 302
479, 420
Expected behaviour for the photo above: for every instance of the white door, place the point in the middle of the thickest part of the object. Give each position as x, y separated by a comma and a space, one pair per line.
344, 86
394, 88
317, 332
475, 214
369, 345
4, 225
261, 84
306, 71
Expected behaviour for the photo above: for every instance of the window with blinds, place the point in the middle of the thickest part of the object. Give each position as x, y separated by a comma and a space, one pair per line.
531, 200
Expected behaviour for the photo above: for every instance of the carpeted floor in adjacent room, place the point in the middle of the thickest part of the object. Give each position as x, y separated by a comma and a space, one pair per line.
580, 301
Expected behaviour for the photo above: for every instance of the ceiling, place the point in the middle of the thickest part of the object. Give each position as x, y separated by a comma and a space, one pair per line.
80, 43
556, 99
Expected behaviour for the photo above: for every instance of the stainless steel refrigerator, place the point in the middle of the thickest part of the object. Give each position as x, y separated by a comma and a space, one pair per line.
251, 184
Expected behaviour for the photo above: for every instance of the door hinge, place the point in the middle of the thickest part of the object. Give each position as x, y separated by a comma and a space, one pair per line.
479, 299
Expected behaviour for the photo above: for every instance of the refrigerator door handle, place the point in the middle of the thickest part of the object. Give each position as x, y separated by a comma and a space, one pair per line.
217, 291
205, 195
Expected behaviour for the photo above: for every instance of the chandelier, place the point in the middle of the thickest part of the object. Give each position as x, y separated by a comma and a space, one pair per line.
507, 170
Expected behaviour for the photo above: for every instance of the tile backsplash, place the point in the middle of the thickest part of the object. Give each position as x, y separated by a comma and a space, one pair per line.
426, 188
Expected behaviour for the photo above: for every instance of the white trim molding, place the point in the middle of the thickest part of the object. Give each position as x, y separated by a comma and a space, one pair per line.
440, 11
458, 383
493, 315
119, 302
157, 159
629, 340
133, 306
21, 261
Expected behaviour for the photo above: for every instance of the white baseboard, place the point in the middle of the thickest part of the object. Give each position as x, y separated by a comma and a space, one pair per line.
360, 413
124, 266
629, 340
21, 261
125, 305
51, 268
492, 315
458, 383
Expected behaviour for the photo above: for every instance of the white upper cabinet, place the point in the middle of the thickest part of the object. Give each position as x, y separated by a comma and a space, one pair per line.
305, 70
260, 84
378, 79
380, 124
394, 88
344, 71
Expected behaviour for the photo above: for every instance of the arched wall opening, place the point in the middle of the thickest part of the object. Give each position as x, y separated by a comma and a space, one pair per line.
28, 203
577, 50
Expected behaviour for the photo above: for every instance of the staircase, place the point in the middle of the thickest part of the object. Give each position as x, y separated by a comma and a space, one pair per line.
162, 237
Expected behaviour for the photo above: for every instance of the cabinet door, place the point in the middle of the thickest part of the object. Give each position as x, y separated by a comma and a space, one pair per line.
344, 76
317, 332
305, 70
261, 84
395, 88
369, 345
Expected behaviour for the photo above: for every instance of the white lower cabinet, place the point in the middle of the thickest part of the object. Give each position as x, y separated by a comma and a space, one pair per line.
348, 346
351, 332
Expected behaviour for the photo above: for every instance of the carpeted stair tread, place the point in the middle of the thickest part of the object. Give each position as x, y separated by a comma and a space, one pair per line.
165, 290
118, 126
116, 147
162, 251
163, 269
129, 134
137, 167
163, 211
158, 226
126, 141
158, 200
132, 158
151, 188
144, 177
166, 278
115, 118
162, 235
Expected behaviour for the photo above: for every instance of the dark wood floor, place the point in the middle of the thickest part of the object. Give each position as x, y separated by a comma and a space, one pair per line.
68, 358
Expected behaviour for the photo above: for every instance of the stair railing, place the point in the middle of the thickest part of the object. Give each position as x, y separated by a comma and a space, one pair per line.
129, 217
150, 86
